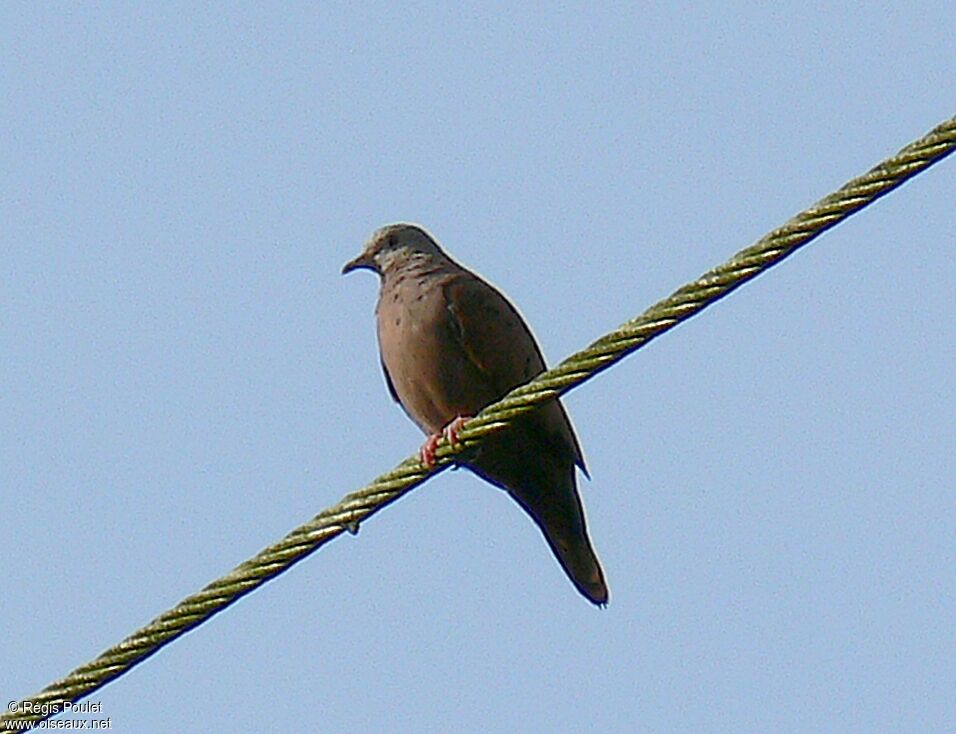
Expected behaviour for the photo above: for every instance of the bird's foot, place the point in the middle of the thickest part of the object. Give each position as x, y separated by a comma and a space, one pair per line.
428, 450
449, 432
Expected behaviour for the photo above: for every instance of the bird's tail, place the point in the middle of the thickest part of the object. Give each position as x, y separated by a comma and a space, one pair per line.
579, 561
558, 512
542, 480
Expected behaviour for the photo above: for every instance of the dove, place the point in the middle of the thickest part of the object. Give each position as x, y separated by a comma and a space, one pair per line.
451, 344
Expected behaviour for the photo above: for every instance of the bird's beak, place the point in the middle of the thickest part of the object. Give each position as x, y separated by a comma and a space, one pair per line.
362, 261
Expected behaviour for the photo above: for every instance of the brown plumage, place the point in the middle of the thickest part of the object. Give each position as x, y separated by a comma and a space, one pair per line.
451, 344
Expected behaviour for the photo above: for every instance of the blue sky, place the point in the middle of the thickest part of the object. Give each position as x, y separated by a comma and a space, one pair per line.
186, 376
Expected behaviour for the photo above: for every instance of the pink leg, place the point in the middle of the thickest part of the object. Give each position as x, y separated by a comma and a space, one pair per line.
450, 434
428, 450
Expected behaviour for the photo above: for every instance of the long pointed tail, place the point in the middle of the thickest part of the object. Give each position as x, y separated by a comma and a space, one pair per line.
579, 561
541, 478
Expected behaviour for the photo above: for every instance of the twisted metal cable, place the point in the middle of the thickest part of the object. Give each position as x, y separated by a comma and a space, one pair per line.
606, 351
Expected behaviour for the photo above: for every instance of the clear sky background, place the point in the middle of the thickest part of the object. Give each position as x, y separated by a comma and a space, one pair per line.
185, 376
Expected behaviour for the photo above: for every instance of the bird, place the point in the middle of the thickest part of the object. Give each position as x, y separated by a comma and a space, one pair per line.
450, 344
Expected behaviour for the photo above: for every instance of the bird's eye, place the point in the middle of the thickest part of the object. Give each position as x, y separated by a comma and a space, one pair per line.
391, 240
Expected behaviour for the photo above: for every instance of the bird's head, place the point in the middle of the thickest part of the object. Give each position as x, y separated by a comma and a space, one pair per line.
395, 245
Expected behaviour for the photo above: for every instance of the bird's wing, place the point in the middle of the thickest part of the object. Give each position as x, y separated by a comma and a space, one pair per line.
498, 342
389, 383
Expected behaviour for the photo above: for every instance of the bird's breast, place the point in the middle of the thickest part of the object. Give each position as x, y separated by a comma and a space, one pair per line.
430, 371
